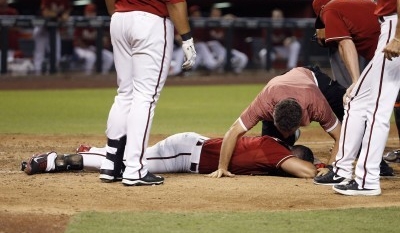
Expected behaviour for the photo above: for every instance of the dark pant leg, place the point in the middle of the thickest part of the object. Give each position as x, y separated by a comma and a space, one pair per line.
396, 111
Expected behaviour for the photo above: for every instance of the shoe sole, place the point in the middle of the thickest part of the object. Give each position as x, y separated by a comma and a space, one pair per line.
109, 179
344, 182
139, 182
372, 192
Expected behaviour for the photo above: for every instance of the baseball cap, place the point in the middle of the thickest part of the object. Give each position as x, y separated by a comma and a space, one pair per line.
317, 6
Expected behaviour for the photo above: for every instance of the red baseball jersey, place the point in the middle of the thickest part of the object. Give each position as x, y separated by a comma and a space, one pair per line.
342, 21
300, 84
157, 7
386, 7
252, 155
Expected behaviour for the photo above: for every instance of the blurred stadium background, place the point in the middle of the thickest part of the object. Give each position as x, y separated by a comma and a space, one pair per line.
252, 17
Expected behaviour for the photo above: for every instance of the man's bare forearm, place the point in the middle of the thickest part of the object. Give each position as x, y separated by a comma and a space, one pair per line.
178, 15
349, 55
110, 6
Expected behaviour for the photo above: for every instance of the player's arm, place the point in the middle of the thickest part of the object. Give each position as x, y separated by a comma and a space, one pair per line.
349, 55
335, 134
299, 168
110, 4
228, 145
178, 15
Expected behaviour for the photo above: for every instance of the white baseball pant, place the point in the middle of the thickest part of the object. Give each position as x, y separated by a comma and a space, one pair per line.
367, 114
142, 45
177, 153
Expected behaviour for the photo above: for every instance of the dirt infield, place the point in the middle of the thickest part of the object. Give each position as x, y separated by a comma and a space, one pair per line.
44, 203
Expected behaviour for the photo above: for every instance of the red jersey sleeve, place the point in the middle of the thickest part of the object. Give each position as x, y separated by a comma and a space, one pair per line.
336, 29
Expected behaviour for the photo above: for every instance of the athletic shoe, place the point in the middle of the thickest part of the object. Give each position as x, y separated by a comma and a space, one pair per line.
392, 156
385, 169
352, 189
107, 176
330, 179
83, 148
36, 164
149, 179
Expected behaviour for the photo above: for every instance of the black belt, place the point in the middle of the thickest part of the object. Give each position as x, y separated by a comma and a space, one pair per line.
382, 18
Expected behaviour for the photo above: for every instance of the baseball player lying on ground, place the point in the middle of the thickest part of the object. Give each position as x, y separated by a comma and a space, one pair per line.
193, 153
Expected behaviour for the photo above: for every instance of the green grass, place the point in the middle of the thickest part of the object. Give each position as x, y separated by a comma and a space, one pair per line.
203, 109
332, 221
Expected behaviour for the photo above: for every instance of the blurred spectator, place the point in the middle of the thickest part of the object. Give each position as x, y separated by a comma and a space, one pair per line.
13, 32
205, 58
17, 64
51, 10
284, 44
217, 38
85, 44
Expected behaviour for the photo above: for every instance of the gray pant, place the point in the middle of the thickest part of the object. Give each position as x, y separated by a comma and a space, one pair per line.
339, 70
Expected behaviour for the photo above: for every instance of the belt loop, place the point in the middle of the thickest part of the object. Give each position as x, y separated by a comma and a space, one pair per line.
193, 167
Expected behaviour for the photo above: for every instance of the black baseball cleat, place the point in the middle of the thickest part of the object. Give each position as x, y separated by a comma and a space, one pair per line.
330, 178
149, 179
353, 189
385, 169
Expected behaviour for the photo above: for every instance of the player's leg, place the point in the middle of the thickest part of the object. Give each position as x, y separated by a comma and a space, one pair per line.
178, 58
177, 153
378, 121
41, 39
89, 58
149, 75
58, 49
332, 91
108, 61
239, 61
218, 51
396, 112
293, 54
117, 119
353, 127
208, 59
52, 162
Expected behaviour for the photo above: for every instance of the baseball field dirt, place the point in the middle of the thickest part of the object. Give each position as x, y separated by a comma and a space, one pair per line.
45, 203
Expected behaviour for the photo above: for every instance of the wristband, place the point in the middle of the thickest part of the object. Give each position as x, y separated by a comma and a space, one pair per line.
186, 36
394, 38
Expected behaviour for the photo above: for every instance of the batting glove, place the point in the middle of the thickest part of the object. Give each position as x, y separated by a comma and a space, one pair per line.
190, 54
